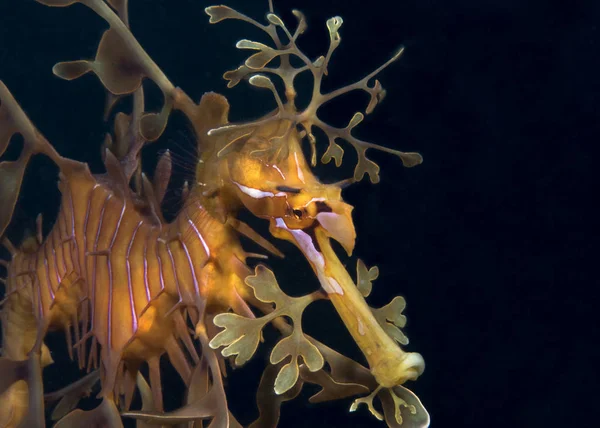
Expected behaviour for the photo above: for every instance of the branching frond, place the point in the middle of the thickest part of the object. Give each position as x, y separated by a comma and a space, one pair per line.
258, 65
241, 335
368, 400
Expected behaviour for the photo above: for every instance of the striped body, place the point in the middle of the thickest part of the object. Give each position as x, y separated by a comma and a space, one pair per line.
122, 275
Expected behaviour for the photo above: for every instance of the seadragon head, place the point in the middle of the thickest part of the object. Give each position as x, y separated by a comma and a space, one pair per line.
274, 181
261, 166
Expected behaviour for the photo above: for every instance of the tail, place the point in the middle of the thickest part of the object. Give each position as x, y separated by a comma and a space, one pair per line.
13, 120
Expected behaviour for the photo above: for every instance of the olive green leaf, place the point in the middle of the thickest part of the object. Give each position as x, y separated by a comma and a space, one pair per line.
368, 400
295, 345
391, 319
241, 335
390, 316
266, 289
269, 403
365, 277
403, 409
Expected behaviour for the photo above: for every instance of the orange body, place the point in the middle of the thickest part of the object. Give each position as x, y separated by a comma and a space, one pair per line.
107, 265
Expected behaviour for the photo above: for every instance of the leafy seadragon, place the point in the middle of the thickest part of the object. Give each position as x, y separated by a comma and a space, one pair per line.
128, 287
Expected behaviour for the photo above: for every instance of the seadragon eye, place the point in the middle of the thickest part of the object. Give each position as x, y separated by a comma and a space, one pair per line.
288, 189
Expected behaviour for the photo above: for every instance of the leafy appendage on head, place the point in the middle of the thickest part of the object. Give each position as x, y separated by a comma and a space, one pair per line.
241, 335
257, 65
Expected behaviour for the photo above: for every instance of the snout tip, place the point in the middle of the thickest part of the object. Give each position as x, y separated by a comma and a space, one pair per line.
414, 365
395, 371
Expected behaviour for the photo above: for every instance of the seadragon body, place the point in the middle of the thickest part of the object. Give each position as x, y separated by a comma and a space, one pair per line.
127, 287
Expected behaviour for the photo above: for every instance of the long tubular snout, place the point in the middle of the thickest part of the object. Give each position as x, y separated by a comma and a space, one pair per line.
390, 365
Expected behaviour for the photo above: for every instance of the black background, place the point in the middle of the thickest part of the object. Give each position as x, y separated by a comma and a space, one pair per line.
490, 240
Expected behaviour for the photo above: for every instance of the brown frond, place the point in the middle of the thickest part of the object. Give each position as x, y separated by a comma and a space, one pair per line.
268, 401
13, 120
68, 398
403, 409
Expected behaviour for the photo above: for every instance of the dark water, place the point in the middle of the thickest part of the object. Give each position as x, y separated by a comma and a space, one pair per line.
488, 240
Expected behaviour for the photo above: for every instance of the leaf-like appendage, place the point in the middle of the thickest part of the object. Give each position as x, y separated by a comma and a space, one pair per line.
261, 59
377, 95
319, 68
335, 152
261, 81
331, 389
251, 45
235, 76
410, 159
286, 378
391, 319
70, 70
241, 336
114, 65
365, 277
333, 26
368, 400
13, 120
296, 345
268, 401
403, 409
152, 125
366, 166
69, 397
266, 288
302, 26
275, 20
220, 13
